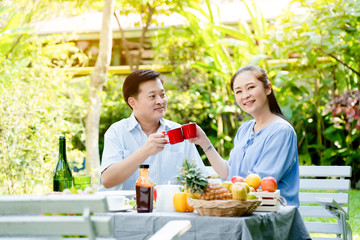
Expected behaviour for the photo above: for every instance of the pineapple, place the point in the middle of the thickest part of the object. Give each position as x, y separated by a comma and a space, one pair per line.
197, 185
216, 191
191, 178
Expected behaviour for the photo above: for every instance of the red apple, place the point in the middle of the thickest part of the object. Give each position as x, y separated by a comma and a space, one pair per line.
268, 184
237, 179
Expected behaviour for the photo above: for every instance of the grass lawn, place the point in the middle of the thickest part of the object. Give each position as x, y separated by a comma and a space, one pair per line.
355, 213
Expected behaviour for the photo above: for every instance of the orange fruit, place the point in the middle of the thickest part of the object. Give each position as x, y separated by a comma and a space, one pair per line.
253, 180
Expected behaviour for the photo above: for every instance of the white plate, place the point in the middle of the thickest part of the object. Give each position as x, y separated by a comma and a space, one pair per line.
126, 193
121, 209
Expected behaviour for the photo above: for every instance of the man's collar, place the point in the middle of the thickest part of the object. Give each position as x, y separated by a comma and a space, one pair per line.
133, 123
164, 125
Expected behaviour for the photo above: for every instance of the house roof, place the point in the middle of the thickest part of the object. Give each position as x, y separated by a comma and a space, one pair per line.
92, 21
89, 23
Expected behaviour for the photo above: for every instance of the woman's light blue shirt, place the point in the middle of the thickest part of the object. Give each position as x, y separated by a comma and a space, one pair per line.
124, 137
270, 152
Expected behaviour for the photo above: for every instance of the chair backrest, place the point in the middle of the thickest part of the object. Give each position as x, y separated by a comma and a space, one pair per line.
54, 216
323, 182
172, 230
212, 175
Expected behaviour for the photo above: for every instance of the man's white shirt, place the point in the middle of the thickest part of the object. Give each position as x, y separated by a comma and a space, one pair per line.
126, 136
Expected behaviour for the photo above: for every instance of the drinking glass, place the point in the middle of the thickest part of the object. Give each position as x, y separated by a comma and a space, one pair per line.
81, 182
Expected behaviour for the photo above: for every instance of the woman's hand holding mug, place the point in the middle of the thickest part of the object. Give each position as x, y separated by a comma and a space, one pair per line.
177, 135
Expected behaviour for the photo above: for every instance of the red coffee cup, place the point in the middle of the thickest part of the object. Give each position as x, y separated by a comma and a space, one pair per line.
175, 135
189, 130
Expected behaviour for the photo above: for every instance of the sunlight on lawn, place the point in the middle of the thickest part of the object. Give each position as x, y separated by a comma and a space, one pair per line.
355, 237
355, 213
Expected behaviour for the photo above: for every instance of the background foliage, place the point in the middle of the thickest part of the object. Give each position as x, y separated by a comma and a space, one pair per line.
329, 30
310, 65
38, 103
313, 66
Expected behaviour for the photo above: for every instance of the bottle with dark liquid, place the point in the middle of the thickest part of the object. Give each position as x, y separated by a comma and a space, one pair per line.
144, 190
62, 177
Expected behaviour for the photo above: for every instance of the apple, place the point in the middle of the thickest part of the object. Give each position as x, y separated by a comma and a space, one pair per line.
227, 185
251, 196
254, 180
252, 189
237, 179
246, 186
239, 191
268, 184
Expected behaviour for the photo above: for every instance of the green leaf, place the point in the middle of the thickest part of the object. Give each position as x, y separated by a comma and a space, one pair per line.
257, 58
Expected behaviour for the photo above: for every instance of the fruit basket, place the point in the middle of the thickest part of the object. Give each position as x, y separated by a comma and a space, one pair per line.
224, 208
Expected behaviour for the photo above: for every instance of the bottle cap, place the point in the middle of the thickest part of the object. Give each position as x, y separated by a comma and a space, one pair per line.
62, 137
144, 166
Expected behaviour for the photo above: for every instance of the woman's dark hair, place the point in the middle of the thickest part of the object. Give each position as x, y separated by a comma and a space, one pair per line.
261, 75
133, 81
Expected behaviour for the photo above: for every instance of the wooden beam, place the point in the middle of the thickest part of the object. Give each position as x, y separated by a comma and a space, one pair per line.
273, 62
129, 34
122, 70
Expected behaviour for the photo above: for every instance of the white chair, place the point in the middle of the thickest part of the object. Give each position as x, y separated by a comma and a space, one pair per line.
172, 230
325, 186
212, 175
54, 216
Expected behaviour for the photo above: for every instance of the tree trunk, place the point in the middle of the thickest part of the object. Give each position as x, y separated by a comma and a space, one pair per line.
134, 63
143, 34
319, 119
97, 81
125, 44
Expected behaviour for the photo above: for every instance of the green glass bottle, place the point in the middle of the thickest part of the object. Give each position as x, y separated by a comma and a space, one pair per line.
62, 174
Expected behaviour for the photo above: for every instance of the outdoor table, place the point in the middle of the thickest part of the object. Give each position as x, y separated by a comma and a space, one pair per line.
284, 224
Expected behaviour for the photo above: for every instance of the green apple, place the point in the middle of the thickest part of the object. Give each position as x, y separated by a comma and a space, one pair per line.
251, 196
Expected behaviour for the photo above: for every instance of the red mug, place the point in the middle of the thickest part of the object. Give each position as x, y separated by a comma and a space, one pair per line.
189, 130
175, 135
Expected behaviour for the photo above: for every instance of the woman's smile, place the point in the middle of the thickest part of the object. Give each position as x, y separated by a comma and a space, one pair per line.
247, 103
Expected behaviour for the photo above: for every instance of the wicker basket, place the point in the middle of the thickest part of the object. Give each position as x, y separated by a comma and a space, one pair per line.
224, 208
